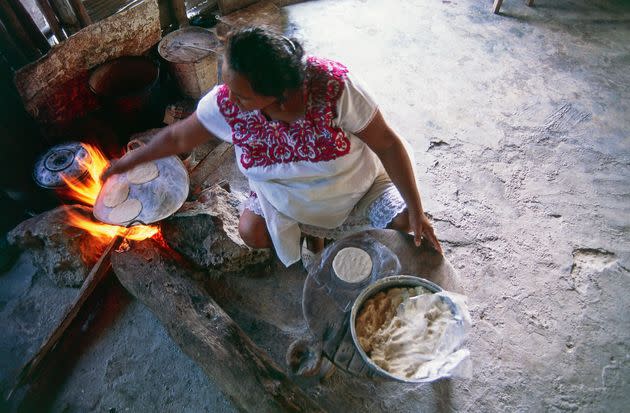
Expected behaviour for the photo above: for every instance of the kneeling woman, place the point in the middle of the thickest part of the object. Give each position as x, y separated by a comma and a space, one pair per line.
319, 157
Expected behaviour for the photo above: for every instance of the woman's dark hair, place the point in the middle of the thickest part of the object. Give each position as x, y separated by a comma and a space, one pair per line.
270, 61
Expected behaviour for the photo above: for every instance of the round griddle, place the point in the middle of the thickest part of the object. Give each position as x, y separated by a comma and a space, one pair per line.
160, 197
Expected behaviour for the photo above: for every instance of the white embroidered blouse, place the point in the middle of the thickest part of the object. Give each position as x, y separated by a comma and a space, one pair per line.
313, 170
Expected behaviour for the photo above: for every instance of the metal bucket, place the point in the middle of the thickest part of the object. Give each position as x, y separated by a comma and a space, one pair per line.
125, 84
192, 54
385, 284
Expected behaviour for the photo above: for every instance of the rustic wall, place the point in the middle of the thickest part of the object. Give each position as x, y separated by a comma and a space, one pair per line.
54, 89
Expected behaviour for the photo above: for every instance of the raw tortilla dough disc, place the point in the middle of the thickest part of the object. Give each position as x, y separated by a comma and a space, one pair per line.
115, 193
143, 173
352, 264
126, 211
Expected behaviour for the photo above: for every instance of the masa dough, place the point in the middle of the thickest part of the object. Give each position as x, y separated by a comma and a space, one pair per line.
143, 173
352, 264
115, 193
126, 211
401, 330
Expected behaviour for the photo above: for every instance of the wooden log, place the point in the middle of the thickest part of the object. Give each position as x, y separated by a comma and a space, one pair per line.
81, 12
29, 25
94, 278
206, 333
51, 18
179, 11
15, 27
68, 20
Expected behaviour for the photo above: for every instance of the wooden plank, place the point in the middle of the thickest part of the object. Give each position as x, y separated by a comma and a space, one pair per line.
209, 164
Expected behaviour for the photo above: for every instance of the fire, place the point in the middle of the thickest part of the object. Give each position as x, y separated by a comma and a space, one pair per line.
106, 232
87, 191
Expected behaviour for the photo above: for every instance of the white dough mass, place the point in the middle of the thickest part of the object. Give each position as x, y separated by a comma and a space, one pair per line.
352, 264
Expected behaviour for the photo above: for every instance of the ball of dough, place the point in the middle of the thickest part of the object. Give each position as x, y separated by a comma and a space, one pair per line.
126, 211
114, 192
143, 173
352, 264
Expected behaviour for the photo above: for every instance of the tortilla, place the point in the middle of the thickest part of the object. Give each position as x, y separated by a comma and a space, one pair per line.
126, 211
114, 193
143, 173
352, 264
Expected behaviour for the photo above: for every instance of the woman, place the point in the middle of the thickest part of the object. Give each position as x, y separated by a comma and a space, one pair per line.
319, 157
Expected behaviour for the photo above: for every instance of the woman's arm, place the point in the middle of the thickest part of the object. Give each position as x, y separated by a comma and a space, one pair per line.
390, 149
180, 137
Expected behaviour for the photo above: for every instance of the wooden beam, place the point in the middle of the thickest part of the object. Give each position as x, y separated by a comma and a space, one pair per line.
243, 371
51, 18
81, 12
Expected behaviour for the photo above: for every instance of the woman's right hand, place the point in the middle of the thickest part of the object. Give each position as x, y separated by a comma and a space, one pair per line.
116, 166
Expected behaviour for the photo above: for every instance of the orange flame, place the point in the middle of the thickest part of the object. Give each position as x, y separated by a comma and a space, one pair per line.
87, 191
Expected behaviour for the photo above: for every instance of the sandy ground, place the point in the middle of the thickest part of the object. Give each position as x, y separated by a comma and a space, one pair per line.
519, 124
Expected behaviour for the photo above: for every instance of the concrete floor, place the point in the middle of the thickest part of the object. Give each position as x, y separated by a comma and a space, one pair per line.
520, 126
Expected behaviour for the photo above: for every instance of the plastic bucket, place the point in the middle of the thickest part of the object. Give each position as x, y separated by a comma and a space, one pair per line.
385, 284
192, 54
125, 84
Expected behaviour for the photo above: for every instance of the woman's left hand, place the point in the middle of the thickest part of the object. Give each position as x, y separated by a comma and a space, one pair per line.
421, 226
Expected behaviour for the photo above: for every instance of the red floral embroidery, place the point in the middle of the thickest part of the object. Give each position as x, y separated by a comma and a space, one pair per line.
312, 138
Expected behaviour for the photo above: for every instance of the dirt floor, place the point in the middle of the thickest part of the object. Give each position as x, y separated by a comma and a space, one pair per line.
519, 123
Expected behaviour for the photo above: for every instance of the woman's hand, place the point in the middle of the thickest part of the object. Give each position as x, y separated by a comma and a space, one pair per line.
115, 167
421, 226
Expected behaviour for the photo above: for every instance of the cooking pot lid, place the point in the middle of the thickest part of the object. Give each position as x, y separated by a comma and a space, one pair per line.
67, 160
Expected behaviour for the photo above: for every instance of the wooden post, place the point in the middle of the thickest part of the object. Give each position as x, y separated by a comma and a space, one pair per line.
51, 18
530, 3
496, 6
29, 25
14, 27
14, 54
179, 11
65, 14
81, 12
